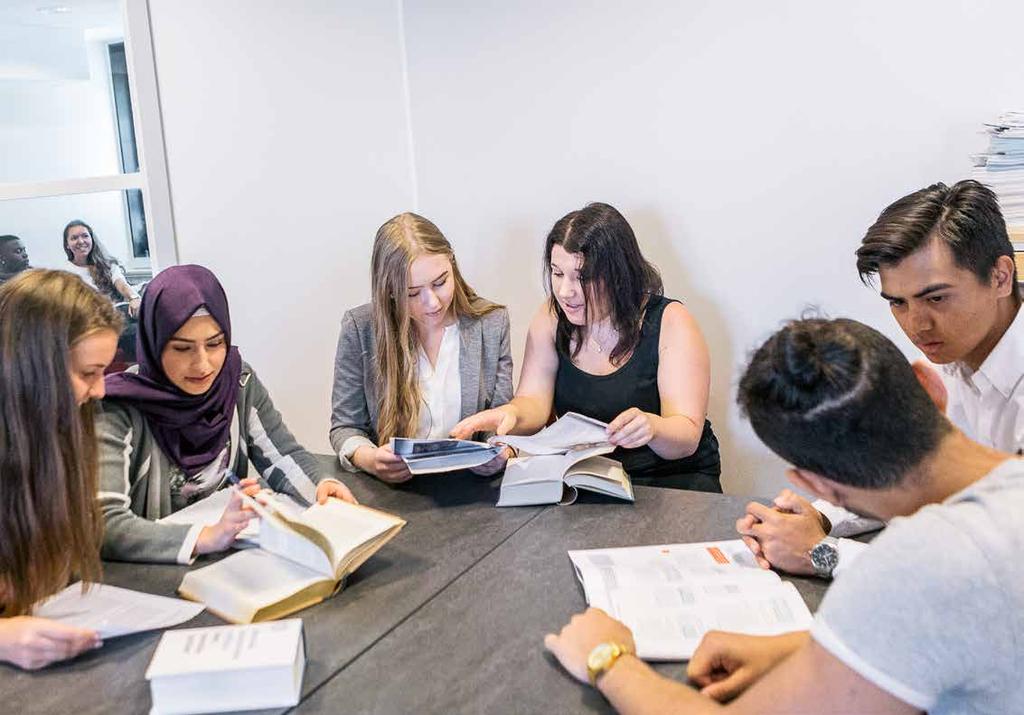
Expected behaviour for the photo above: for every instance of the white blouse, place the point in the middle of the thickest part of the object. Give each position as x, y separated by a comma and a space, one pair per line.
440, 394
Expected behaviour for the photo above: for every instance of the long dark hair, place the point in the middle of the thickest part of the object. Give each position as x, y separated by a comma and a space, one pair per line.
613, 269
50, 524
98, 260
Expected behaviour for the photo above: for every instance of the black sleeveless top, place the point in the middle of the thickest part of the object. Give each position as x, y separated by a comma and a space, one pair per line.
635, 384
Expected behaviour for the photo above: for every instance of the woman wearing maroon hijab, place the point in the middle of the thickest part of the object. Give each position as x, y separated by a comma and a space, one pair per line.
194, 409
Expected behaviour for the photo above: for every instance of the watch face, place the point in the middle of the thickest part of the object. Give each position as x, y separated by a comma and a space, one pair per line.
824, 558
600, 656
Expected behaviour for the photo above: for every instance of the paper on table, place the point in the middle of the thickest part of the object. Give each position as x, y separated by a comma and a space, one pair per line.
113, 611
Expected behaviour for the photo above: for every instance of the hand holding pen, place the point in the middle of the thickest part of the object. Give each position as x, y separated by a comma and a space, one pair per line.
236, 516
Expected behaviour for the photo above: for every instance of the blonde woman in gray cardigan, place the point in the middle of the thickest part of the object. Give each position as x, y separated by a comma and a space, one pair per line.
194, 409
425, 354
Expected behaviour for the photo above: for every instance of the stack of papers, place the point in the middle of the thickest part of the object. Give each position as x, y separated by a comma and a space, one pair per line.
1002, 168
113, 611
671, 595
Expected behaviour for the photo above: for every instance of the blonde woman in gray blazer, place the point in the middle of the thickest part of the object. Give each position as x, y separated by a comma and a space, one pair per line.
424, 355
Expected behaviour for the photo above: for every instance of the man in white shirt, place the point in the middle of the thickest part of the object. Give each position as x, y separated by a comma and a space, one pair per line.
932, 617
945, 263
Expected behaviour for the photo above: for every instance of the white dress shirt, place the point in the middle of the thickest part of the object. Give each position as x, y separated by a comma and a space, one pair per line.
988, 404
440, 394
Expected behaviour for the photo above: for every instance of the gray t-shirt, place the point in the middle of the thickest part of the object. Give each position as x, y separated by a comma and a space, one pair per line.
933, 612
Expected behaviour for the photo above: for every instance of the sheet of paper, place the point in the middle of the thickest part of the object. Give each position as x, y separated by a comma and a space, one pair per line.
570, 431
113, 611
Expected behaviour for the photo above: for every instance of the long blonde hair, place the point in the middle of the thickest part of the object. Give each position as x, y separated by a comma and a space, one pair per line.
50, 524
399, 242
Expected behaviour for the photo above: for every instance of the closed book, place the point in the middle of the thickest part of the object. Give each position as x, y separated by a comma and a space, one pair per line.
227, 668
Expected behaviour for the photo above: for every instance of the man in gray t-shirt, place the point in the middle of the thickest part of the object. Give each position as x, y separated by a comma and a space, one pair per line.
931, 617
932, 612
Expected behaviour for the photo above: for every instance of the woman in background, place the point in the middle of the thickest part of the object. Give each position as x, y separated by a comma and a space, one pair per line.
425, 354
57, 336
193, 410
609, 345
90, 261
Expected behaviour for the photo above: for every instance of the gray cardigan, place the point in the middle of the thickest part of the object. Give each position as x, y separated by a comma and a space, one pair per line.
135, 474
485, 370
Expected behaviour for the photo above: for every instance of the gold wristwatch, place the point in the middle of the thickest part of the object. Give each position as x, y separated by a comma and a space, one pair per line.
602, 658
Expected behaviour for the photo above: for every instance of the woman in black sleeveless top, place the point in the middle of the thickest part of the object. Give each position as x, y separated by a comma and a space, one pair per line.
609, 345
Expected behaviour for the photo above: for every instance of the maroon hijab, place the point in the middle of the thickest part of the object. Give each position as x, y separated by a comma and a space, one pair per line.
190, 429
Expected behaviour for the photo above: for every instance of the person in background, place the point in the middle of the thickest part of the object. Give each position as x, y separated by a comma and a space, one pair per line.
56, 337
945, 263
192, 410
424, 354
13, 257
90, 261
609, 345
932, 617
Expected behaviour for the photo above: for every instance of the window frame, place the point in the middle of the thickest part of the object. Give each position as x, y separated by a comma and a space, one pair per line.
151, 178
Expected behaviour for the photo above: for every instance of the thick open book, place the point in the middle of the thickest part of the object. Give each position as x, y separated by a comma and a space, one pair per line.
671, 595
430, 456
557, 478
228, 668
301, 561
558, 461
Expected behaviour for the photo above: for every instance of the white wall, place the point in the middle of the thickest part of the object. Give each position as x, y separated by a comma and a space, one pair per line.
61, 129
286, 138
750, 145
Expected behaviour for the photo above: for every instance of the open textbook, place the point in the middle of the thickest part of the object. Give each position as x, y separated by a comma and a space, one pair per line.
429, 456
113, 611
209, 510
228, 668
301, 561
561, 459
557, 478
671, 595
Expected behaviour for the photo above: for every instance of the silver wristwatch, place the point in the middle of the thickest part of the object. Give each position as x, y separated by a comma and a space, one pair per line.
825, 556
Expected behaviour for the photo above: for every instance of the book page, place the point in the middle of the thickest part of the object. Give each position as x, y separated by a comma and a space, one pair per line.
346, 526
603, 570
669, 622
602, 475
246, 581
227, 648
570, 431
113, 611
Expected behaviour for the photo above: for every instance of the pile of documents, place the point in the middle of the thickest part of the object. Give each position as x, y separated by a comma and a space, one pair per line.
1002, 168
671, 595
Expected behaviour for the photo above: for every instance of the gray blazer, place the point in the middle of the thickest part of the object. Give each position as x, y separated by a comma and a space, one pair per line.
485, 368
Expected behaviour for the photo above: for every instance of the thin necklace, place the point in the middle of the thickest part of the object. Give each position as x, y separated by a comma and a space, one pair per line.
592, 336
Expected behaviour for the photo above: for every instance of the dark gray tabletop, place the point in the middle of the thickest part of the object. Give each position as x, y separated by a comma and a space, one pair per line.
452, 524
477, 647
448, 617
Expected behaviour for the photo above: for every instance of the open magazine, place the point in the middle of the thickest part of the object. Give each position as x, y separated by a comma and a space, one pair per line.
671, 595
560, 460
301, 560
431, 456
